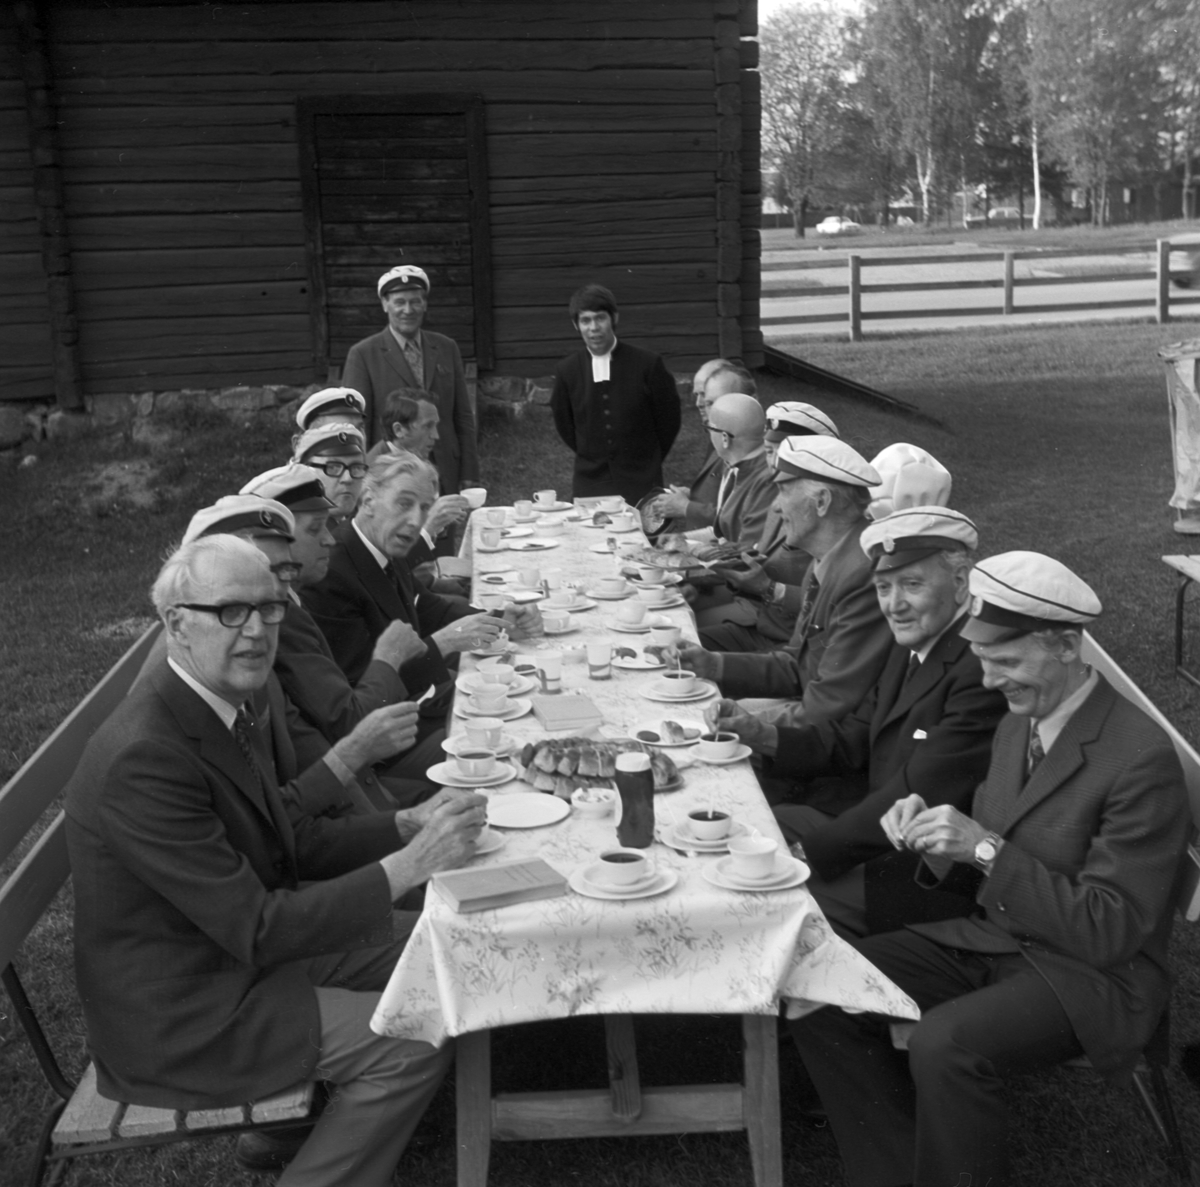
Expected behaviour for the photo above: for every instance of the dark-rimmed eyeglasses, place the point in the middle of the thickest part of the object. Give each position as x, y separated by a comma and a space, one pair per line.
238, 613
337, 469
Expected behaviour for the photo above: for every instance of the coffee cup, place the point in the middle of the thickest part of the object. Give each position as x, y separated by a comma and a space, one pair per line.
495, 516
612, 586
493, 671
523, 508
652, 595
549, 525
490, 537
708, 825
631, 613
554, 619
560, 597
483, 732
550, 670
530, 578
475, 496
621, 867
493, 603
611, 503
651, 574
678, 683
624, 521
553, 578
599, 660
545, 498
490, 698
475, 762
665, 636
587, 505
717, 746
754, 856
628, 548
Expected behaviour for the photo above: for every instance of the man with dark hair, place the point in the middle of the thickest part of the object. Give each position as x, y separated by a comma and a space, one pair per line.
403, 353
615, 406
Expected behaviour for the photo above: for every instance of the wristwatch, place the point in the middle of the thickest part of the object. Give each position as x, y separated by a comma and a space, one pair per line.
986, 851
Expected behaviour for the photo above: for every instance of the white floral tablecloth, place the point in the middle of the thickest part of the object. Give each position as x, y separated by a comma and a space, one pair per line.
697, 949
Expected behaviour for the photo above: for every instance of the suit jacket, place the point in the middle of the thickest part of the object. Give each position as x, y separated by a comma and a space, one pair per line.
930, 735
619, 441
1084, 885
743, 515
702, 497
376, 366
355, 601
777, 620
314, 683
836, 652
198, 893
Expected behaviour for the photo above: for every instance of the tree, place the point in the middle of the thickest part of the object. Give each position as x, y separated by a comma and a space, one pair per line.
803, 66
925, 56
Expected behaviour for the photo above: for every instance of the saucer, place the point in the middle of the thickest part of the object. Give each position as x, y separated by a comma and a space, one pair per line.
596, 883
642, 663
601, 548
518, 688
492, 652
518, 707
703, 693
548, 508
630, 628
496, 841
743, 751
481, 547
576, 607
665, 579
698, 726
547, 629
659, 884
677, 837
448, 775
524, 595
515, 533
525, 518
502, 749
666, 603
793, 872
609, 597
533, 544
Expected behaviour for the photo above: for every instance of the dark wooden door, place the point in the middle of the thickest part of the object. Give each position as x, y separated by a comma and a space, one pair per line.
391, 180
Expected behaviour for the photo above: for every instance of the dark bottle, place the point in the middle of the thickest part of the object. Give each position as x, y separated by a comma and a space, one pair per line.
635, 782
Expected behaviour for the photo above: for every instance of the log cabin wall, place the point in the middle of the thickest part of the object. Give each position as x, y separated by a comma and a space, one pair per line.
621, 141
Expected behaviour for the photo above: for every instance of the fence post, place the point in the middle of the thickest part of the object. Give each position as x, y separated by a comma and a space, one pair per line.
1009, 258
855, 298
1163, 297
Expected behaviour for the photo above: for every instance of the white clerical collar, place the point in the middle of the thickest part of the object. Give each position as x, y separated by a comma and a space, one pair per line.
602, 365
380, 559
221, 707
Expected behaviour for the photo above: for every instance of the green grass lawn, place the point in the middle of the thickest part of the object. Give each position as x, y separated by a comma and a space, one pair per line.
1057, 440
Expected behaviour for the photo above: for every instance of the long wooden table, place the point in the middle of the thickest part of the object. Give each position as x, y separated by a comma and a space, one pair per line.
697, 948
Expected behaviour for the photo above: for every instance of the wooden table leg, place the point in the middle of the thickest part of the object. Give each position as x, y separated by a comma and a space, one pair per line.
473, 1085
760, 1099
623, 1080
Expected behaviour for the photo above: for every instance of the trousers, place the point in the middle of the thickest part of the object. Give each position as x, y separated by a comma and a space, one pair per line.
933, 1116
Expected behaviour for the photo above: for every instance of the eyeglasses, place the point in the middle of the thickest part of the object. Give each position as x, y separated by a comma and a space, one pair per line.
287, 570
337, 469
238, 613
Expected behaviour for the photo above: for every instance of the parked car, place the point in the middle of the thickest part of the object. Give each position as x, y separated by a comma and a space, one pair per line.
836, 225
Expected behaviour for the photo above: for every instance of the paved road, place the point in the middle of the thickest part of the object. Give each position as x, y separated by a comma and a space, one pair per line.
926, 268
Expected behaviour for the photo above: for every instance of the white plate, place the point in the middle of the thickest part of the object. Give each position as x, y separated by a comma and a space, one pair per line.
659, 884
578, 607
448, 775
518, 688
642, 663
699, 726
667, 604
603, 548
481, 547
494, 578
607, 597
525, 809
548, 508
494, 842
709, 690
677, 837
492, 652
547, 629
795, 873
741, 752
518, 707
533, 544
502, 750
524, 595
630, 628
515, 533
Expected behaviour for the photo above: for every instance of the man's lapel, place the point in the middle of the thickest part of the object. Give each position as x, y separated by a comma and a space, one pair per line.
394, 357
945, 652
373, 578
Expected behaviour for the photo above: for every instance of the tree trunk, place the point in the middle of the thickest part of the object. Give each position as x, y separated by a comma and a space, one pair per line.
1186, 196
799, 213
1037, 177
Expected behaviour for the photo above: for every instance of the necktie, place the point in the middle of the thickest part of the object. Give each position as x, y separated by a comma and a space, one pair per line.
242, 727
416, 363
808, 602
1036, 751
726, 488
914, 666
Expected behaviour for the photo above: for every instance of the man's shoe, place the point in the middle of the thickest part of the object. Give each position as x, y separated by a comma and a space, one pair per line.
265, 1151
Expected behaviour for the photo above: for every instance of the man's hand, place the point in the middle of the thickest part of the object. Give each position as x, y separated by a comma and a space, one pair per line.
898, 817
449, 509
936, 832
708, 665
398, 644
410, 821
751, 729
469, 633
381, 734
673, 503
445, 843
752, 581
523, 621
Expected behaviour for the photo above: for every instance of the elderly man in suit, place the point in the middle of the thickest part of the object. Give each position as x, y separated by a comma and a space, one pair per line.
926, 726
368, 587
1072, 850
228, 945
406, 355
841, 640
615, 406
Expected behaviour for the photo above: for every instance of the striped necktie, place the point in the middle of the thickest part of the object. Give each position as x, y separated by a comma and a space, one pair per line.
1037, 751
243, 727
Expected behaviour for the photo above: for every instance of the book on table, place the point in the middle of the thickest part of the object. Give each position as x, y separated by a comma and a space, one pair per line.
574, 712
480, 889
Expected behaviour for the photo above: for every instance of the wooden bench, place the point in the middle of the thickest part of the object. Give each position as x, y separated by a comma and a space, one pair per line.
82, 1121
1188, 568
1149, 1078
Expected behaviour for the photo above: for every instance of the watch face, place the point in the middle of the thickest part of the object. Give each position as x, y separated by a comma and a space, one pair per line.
985, 851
